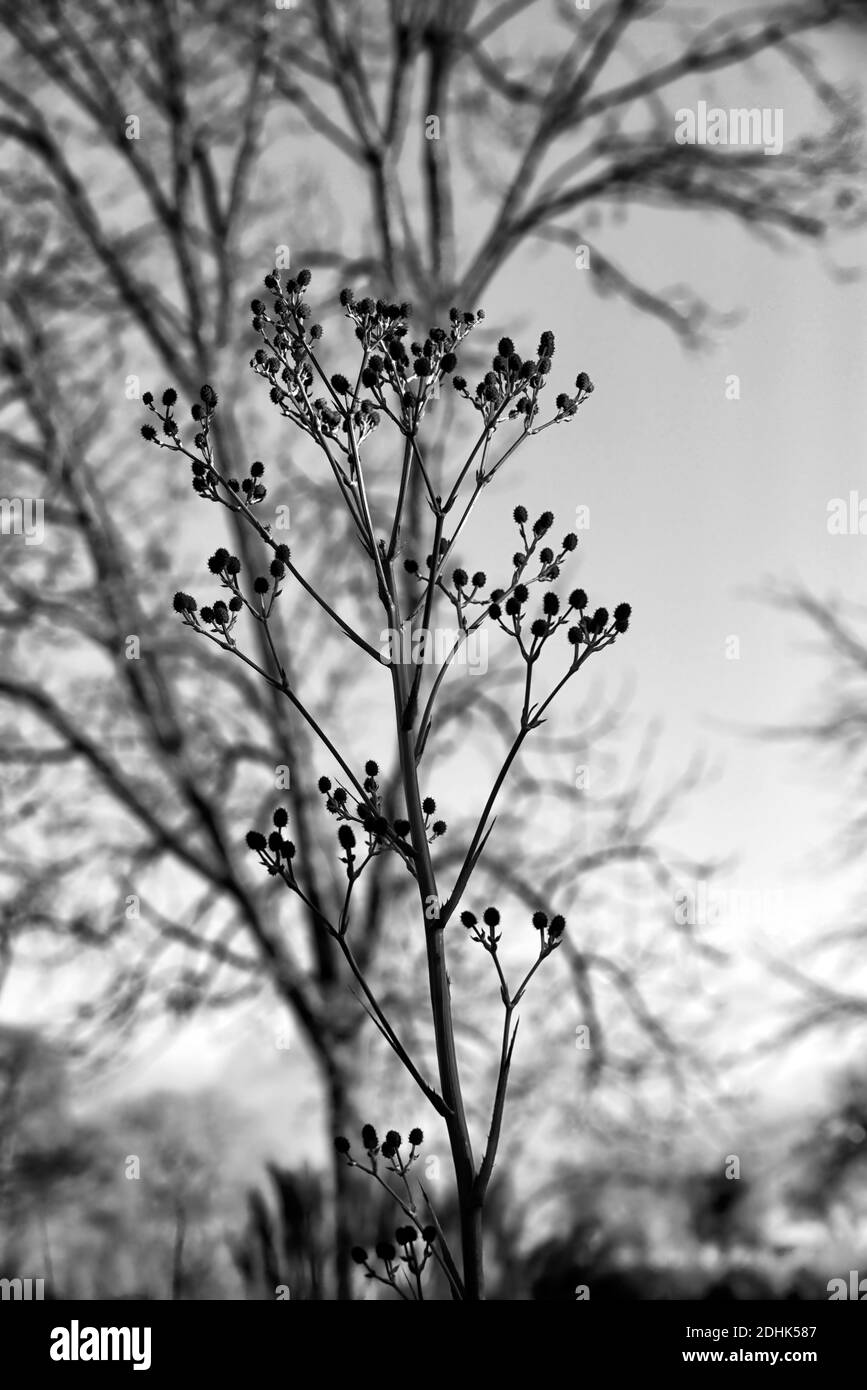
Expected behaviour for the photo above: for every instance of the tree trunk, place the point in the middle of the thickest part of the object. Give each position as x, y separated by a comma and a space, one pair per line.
341, 1118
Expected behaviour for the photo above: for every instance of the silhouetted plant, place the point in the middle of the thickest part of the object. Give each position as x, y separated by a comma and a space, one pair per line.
395, 385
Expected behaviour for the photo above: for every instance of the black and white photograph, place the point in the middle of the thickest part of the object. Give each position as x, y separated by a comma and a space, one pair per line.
433, 666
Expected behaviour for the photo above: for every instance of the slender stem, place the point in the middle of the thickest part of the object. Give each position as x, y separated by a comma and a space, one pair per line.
444, 1260
378, 559
350, 633
440, 994
510, 1003
378, 1013
438, 979
412, 700
398, 511
506, 1048
482, 441
428, 1091
528, 723
239, 504
470, 856
284, 688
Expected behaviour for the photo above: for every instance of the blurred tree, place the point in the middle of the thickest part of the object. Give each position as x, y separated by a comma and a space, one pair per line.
144, 179
41, 1152
161, 1202
824, 975
140, 1202
286, 1250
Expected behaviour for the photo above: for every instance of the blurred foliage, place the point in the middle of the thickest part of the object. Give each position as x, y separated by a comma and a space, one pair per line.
190, 1226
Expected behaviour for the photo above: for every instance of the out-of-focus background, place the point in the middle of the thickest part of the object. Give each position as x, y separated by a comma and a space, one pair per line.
178, 1047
